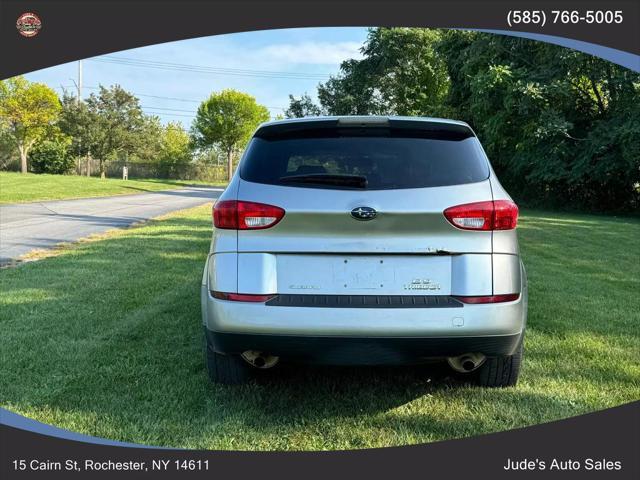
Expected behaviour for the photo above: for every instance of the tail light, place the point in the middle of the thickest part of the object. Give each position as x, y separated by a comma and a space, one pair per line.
241, 215
241, 297
489, 215
509, 297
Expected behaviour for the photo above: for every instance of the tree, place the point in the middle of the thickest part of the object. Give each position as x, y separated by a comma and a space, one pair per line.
114, 124
147, 145
302, 107
352, 92
111, 124
8, 152
175, 151
561, 127
27, 111
401, 73
78, 123
227, 120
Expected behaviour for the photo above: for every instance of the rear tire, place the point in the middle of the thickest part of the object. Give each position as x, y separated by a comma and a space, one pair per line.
500, 372
226, 369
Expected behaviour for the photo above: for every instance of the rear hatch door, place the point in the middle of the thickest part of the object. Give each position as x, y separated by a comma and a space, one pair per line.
386, 235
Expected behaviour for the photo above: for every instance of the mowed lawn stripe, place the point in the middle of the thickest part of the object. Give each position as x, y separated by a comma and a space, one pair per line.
105, 339
29, 187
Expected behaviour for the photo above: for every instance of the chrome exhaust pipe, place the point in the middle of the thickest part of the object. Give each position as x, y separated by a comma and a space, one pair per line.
467, 362
259, 359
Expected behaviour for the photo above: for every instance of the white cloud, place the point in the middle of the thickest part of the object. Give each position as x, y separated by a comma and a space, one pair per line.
319, 53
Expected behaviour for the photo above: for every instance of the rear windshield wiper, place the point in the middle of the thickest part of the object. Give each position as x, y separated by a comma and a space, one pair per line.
355, 181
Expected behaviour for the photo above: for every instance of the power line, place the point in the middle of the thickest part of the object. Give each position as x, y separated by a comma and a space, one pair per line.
147, 95
208, 68
159, 62
62, 87
170, 109
211, 70
166, 98
181, 99
172, 114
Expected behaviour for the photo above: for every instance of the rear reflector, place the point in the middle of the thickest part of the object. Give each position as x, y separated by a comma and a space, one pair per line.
509, 297
241, 215
241, 297
489, 215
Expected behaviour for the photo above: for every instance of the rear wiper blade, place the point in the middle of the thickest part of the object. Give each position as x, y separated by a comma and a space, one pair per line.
356, 181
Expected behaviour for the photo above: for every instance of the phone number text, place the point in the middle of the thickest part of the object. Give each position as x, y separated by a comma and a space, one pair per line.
540, 17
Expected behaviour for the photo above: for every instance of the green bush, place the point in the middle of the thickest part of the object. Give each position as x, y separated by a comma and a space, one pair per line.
52, 156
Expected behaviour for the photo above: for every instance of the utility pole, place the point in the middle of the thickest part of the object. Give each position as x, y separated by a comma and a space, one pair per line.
79, 84
79, 99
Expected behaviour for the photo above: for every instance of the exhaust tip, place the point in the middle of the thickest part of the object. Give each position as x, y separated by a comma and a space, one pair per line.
468, 365
259, 359
467, 362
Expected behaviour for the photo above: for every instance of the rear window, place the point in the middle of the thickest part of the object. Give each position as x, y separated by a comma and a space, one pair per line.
381, 160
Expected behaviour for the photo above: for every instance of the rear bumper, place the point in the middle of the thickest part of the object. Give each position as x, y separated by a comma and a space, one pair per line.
362, 350
347, 335
248, 318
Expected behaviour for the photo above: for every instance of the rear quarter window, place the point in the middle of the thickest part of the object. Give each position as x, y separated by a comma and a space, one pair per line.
386, 161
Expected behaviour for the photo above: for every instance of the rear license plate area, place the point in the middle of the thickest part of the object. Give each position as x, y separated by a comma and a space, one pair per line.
364, 274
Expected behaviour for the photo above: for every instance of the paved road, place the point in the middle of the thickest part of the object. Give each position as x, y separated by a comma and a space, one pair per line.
30, 226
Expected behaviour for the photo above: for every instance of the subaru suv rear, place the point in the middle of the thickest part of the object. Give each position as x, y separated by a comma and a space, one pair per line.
365, 241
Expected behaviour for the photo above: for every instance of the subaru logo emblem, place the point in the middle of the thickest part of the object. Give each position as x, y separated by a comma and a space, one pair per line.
363, 213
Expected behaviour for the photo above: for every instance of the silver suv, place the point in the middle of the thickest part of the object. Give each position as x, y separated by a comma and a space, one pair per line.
365, 241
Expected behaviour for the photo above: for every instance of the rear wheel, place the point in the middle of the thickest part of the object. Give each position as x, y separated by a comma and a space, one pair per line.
226, 369
498, 372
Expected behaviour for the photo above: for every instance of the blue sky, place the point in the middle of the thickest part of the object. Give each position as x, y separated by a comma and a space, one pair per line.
301, 57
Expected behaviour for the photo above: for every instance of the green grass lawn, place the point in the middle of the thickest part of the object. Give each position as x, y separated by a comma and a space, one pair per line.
18, 187
105, 339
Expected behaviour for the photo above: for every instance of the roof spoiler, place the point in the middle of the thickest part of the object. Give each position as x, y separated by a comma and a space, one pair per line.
365, 126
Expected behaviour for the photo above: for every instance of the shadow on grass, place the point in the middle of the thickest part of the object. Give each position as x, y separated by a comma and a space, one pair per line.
109, 343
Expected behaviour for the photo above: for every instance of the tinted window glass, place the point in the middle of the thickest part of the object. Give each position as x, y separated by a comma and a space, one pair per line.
386, 162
